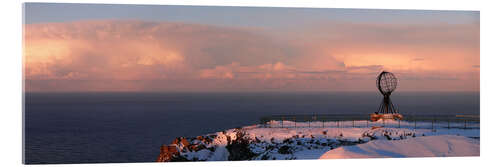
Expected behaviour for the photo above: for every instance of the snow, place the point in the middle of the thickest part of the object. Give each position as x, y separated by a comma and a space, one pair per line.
428, 146
344, 139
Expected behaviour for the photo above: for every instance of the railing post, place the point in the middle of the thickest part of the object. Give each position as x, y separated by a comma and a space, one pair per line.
432, 124
268, 125
281, 122
367, 124
295, 121
353, 123
399, 123
465, 124
415, 126
448, 123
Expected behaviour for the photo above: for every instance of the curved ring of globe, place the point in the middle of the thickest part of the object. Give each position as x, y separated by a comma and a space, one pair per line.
387, 82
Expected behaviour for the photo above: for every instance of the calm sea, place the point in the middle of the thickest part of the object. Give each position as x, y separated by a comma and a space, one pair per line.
131, 127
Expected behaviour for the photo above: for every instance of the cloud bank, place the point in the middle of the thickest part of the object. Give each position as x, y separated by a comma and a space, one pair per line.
124, 55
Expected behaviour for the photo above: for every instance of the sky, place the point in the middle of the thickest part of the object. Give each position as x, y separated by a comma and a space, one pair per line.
104, 47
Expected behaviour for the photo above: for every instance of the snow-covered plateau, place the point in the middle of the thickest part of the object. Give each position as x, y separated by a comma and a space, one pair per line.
284, 140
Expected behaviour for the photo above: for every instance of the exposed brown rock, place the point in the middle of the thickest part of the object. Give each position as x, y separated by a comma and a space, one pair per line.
185, 142
167, 153
192, 147
176, 141
199, 147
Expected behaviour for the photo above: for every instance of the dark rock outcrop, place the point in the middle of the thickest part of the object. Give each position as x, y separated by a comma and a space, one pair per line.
239, 148
168, 153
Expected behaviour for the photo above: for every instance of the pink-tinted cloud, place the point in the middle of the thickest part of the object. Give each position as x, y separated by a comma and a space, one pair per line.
164, 56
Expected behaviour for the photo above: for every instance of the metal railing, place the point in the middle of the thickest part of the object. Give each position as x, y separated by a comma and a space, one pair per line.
358, 120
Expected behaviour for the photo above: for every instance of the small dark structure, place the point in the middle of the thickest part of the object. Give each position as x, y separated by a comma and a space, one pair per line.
386, 84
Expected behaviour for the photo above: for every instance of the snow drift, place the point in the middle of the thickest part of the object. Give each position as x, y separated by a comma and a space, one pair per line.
428, 146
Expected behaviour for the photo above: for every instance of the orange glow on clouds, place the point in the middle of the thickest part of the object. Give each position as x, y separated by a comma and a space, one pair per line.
164, 56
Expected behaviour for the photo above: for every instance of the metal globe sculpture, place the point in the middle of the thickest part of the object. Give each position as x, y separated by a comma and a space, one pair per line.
386, 84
